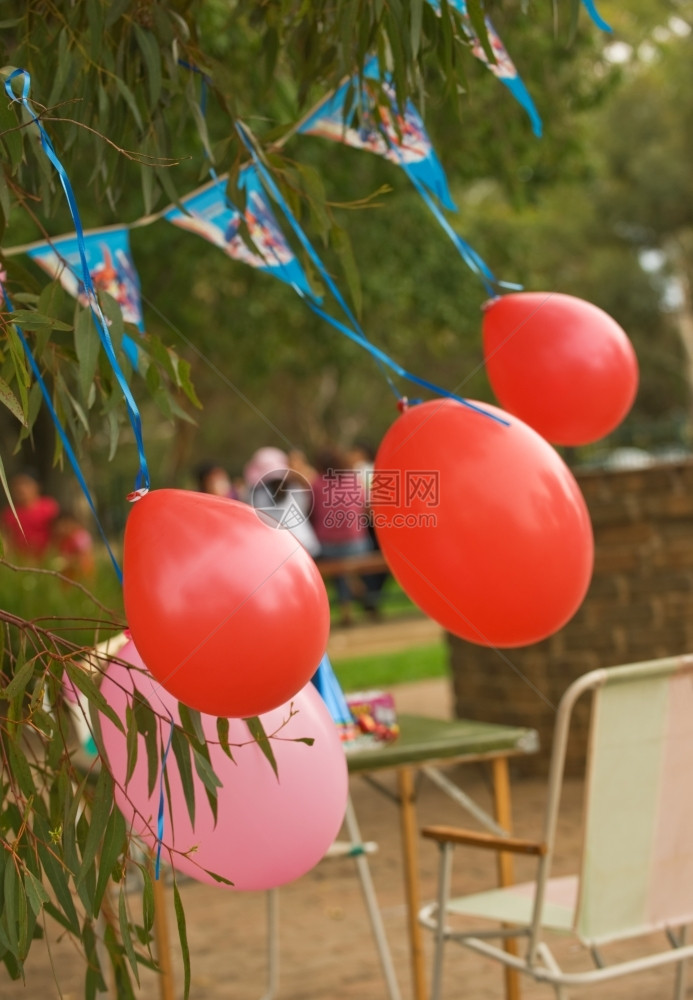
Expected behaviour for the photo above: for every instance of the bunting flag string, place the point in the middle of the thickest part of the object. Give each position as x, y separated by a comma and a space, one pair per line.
398, 137
142, 481
209, 213
403, 140
354, 331
101, 259
111, 267
503, 68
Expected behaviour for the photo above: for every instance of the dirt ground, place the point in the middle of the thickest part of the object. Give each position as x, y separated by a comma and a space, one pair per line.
325, 945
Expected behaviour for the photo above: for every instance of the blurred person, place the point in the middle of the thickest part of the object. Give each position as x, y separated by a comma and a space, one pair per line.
214, 479
282, 493
299, 464
340, 519
361, 458
30, 531
74, 546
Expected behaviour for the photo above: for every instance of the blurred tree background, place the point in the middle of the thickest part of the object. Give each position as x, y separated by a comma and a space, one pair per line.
599, 207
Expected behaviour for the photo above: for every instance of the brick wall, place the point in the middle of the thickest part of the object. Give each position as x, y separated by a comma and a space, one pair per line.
639, 607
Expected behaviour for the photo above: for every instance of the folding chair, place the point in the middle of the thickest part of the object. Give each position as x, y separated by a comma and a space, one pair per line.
636, 872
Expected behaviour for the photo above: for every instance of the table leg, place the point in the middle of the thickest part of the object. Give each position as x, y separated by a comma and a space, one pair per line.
272, 944
405, 782
501, 801
372, 904
163, 950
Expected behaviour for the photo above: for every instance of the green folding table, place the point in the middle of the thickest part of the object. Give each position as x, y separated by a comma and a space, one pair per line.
422, 744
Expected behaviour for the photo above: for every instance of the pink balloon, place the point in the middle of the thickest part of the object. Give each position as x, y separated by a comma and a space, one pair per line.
269, 830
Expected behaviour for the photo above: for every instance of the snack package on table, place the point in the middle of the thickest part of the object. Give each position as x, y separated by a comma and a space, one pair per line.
375, 715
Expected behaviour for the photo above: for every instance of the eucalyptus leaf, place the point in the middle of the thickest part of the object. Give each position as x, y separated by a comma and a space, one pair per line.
125, 933
148, 909
64, 66
257, 731
8, 399
30, 319
102, 806
183, 938
181, 751
132, 741
81, 679
36, 892
342, 244
152, 60
192, 723
87, 348
223, 734
20, 680
129, 99
57, 878
11, 890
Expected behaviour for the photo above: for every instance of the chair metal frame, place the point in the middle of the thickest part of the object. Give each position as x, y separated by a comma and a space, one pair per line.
539, 962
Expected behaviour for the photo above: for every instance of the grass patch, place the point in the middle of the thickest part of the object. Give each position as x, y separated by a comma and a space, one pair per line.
387, 669
61, 607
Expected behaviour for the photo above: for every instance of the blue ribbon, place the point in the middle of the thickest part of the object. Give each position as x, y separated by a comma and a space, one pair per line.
354, 332
471, 258
72, 458
517, 88
397, 368
160, 821
474, 262
468, 254
142, 480
591, 9
212, 172
307, 246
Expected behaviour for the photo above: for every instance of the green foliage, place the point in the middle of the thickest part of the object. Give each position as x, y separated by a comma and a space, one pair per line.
61, 836
63, 841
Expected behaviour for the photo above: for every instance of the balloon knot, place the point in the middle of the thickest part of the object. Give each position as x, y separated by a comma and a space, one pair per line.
489, 302
402, 404
137, 494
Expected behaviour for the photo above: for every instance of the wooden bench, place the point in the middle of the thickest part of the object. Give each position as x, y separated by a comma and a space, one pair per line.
368, 562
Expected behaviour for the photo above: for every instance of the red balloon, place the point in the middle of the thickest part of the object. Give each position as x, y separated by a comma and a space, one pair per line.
561, 364
482, 524
230, 614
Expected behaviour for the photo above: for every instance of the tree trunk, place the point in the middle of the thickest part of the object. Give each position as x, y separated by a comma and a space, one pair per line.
679, 251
